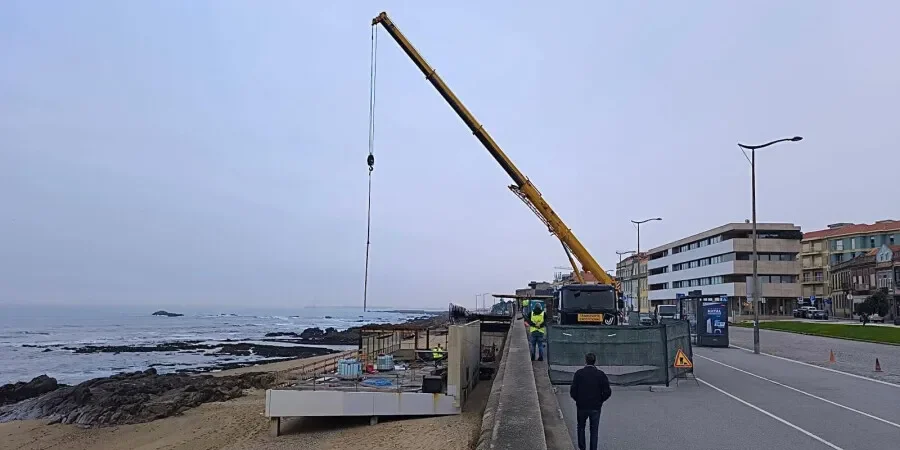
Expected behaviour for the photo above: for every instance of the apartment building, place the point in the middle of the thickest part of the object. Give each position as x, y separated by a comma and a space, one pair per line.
862, 276
632, 274
822, 250
718, 261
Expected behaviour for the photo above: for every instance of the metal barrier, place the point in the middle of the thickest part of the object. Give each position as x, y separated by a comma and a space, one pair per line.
630, 355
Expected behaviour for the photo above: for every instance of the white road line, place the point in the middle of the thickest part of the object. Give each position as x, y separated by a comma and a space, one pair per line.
773, 416
886, 383
802, 392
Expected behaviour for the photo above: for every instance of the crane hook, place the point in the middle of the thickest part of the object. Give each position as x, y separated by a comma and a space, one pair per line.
371, 161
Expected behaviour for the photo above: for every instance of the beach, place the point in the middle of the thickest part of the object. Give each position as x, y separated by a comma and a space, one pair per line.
239, 424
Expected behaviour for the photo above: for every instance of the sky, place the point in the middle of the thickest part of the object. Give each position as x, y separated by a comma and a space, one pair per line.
212, 153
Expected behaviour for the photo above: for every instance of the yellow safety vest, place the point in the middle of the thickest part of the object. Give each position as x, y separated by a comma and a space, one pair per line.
537, 323
437, 353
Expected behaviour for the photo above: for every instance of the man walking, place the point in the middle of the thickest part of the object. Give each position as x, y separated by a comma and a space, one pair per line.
590, 388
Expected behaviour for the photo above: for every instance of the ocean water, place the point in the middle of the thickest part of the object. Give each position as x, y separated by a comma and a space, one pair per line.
27, 332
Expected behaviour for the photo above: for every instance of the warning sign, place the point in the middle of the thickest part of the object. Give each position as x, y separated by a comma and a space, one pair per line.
682, 361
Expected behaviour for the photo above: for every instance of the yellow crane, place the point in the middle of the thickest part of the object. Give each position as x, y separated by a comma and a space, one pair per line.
523, 187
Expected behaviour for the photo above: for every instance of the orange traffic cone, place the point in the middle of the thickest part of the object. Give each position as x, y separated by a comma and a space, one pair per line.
831, 357
877, 365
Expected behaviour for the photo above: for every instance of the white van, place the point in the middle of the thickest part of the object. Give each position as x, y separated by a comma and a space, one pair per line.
667, 312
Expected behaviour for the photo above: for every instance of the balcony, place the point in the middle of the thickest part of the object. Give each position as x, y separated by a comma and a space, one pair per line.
812, 281
767, 245
768, 267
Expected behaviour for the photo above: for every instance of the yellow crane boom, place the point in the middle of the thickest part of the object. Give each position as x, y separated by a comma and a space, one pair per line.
523, 186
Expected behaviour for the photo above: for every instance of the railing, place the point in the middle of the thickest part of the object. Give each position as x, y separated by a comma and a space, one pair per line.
325, 365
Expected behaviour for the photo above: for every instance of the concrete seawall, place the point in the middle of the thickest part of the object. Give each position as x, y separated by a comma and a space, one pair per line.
512, 418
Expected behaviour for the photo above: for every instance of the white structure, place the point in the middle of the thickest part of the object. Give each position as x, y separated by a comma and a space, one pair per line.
463, 364
718, 261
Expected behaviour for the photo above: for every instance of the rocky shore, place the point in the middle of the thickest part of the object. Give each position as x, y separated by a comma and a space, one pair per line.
131, 397
143, 396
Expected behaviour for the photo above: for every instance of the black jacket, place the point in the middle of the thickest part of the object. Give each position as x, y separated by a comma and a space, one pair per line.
590, 388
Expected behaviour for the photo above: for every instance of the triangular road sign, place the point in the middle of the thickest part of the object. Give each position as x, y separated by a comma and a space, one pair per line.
682, 361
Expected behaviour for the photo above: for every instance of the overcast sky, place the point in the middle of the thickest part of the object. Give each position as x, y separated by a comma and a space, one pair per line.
213, 153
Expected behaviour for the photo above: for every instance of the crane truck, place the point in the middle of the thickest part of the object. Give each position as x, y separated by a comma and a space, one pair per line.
574, 303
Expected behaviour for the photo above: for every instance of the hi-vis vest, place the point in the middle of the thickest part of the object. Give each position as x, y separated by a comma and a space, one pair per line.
537, 323
437, 353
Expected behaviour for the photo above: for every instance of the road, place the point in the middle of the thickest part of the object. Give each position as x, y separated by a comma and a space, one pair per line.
850, 356
747, 401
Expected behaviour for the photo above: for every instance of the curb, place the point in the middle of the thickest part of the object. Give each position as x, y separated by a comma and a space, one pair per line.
491, 413
556, 432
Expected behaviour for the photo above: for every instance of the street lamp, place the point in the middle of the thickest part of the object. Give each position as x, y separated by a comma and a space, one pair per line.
638, 254
624, 253
753, 149
482, 299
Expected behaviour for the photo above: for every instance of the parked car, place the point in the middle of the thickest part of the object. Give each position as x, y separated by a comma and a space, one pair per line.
873, 318
820, 314
804, 312
646, 319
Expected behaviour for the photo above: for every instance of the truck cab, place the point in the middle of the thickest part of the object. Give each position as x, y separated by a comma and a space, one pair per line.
669, 312
586, 304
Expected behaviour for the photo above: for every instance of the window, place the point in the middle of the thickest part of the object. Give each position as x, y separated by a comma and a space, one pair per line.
852, 244
839, 245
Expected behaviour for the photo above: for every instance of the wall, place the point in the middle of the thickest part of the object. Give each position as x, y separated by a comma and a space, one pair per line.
463, 360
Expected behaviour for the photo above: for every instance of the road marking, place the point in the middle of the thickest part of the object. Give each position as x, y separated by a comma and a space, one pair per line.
803, 392
886, 383
779, 419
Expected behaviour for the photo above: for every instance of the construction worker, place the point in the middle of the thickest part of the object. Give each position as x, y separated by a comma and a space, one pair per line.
525, 309
536, 330
437, 353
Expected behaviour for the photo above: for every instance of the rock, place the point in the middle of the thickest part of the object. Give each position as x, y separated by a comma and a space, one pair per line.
166, 313
132, 398
12, 393
46, 350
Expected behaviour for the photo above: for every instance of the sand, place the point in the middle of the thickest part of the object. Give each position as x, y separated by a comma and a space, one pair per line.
240, 425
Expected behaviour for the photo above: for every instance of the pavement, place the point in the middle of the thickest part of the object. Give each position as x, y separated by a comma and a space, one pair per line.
850, 356
518, 423
746, 401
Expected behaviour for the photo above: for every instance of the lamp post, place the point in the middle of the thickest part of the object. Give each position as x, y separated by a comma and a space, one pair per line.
753, 149
482, 299
624, 253
638, 254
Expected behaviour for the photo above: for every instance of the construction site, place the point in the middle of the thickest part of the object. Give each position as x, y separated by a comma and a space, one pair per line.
397, 371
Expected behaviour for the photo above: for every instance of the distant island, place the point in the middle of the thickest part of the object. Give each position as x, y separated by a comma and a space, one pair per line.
167, 314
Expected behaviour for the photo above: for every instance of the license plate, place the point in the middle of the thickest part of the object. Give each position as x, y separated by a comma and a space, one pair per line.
590, 317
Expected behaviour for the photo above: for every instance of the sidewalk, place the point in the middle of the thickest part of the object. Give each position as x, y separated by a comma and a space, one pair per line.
518, 424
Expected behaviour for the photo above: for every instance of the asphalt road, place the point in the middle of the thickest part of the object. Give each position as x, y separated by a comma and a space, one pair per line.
850, 356
747, 401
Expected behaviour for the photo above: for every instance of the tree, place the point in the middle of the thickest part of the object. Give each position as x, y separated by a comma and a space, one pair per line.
877, 303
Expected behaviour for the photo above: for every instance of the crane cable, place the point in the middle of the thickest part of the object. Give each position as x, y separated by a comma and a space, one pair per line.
370, 160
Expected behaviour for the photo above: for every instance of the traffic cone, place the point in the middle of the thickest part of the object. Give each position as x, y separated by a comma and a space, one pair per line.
831, 357
877, 365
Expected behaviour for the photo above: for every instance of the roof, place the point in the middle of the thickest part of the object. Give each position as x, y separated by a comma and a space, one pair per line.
847, 230
741, 226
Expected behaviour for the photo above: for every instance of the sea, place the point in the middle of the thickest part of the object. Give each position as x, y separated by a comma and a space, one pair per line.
32, 338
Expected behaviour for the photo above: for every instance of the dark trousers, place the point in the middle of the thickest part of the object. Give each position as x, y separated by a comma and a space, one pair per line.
583, 416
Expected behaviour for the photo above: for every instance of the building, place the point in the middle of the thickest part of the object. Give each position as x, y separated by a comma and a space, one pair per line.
718, 261
632, 274
536, 288
841, 242
855, 280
